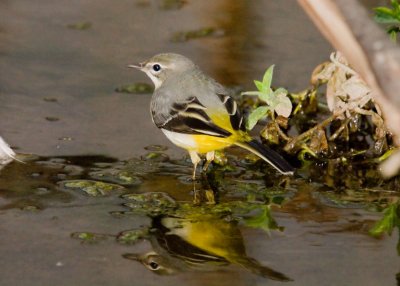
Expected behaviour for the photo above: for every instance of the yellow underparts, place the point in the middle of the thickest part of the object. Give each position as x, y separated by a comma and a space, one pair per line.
213, 235
207, 143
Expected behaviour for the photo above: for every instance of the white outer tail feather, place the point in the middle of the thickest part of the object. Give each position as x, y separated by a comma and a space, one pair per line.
7, 155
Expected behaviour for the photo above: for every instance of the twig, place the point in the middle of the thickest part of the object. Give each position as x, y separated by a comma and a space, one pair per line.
339, 130
280, 132
295, 141
278, 128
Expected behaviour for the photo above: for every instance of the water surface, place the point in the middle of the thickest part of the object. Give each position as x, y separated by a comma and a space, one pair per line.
57, 88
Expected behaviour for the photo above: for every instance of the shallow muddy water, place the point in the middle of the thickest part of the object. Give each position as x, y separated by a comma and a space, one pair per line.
60, 63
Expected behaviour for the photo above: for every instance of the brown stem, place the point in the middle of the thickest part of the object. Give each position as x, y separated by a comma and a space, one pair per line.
303, 136
281, 133
339, 130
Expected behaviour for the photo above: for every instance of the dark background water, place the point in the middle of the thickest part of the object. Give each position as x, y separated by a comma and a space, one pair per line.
43, 59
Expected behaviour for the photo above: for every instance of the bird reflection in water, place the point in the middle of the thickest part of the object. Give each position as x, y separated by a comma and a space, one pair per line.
198, 243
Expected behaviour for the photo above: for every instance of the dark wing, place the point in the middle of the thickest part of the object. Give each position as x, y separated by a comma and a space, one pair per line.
235, 115
190, 117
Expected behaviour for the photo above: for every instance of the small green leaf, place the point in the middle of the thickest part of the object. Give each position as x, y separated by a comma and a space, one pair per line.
263, 220
386, 16
257, 93
256, 115
267, 96
393, 31
259, 85
393, 36
388, 222
396, 5
384, 10
267, 79
280, 91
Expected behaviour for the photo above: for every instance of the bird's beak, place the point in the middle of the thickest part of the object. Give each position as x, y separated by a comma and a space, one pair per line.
138, 66
132, 256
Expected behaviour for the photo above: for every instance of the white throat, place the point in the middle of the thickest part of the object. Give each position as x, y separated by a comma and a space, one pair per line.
157, 82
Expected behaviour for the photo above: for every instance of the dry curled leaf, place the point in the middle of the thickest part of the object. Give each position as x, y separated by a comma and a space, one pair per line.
321, 73
346, 91
319, 143
282, 121
270, 133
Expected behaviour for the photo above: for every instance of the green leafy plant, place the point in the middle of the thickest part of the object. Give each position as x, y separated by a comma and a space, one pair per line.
263, 220
277, 101
390, 220
391, 17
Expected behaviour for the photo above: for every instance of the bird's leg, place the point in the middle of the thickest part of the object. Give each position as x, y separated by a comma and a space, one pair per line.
195, 160
196, 195
210, 157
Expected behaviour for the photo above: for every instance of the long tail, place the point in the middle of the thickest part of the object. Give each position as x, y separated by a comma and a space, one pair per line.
261, 270
268, 155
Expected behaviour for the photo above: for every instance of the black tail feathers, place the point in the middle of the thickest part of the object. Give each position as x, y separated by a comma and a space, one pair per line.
261, 270
268, 155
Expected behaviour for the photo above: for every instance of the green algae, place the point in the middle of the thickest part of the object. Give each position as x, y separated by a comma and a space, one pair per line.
91, 188
89, 237
80, 26
135, 88
184, 36
172, 4
156, 148
121, 177
151, 203
132, 236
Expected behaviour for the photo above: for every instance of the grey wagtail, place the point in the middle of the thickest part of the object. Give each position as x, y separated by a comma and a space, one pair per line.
198, 242
197, 113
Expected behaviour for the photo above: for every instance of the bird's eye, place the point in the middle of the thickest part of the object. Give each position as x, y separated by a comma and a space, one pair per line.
153, 265
156, 67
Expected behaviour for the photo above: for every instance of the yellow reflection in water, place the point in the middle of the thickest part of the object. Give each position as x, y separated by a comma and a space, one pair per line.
198, 242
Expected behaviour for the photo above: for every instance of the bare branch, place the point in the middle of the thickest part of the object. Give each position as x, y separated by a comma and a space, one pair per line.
347, 26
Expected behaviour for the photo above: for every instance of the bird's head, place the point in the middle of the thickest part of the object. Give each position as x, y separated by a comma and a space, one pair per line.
162, 66
154, 262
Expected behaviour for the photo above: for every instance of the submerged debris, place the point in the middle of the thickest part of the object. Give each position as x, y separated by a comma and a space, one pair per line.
90, 238
91, 188
185, 36
390, 221
135, 88
52, 118
172, 4
156, 148
114, 175
80, 26
150, 203
132, 236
